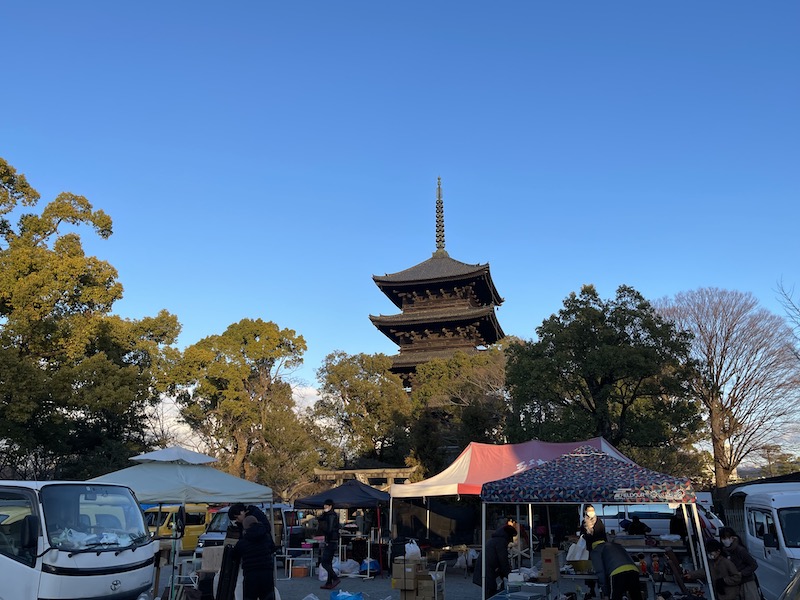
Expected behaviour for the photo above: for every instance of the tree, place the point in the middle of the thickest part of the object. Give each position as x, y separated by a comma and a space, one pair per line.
456, 401
363, 406
776, 461
234, 394
748, 379
75, 381
613, 368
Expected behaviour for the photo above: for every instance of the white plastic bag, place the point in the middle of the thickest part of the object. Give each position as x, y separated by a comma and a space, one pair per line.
412, 551
322, 574
578, 551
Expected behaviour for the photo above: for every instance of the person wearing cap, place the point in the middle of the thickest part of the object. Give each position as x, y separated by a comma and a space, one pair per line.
254, 550
329, 527
616, 572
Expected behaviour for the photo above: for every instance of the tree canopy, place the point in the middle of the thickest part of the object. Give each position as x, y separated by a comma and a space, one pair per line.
748, 376
235, 396
363, 408
611, 368
75, 380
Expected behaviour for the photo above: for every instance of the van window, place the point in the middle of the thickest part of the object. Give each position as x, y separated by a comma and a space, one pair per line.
14, 507
762, 523
790, 524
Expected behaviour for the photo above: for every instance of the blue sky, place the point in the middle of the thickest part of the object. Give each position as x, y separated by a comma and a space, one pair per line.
265, 159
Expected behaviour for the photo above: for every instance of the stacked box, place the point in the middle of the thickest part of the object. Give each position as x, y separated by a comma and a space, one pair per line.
430, 589
550, 567
405, 573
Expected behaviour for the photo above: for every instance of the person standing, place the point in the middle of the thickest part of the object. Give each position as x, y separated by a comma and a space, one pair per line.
329, 527
726, 579
616, 572
744, 563
254, 549
591, 527
497, 560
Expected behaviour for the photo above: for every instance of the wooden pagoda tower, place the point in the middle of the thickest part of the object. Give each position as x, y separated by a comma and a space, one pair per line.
445, 305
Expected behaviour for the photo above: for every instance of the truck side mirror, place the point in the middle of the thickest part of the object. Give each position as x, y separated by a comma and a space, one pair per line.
30, 531
770, 541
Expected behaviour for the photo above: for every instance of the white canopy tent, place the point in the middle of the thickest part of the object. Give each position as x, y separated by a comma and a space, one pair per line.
179, 476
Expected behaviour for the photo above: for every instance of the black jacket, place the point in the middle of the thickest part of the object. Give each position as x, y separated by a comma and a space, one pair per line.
497, 562
329, 526
255, 549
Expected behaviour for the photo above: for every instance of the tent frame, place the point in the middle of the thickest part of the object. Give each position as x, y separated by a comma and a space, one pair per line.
694, 515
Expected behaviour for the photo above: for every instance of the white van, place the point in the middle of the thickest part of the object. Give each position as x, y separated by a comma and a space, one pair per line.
766, 516
654, 515
64, 540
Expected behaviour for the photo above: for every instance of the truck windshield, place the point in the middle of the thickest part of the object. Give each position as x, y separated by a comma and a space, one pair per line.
85, 516
790, 524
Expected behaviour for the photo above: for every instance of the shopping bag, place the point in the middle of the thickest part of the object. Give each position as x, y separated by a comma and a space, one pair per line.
412, 551
578, 551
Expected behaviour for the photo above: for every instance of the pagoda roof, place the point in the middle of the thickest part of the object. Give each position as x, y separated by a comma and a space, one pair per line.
485, 315
439, 268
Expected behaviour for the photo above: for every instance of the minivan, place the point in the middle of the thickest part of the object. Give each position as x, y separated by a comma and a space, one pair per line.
161, 523
656, 516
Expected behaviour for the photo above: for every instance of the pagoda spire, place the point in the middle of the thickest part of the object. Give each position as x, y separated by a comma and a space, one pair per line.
440, 251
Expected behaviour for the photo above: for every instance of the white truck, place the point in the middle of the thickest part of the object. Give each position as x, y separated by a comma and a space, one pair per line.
766, 517
61, 540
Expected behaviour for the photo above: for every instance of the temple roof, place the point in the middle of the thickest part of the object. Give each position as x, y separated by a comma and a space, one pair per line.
438, 269
390, 325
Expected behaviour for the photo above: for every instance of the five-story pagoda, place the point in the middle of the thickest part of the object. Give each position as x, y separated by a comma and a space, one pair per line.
446, 305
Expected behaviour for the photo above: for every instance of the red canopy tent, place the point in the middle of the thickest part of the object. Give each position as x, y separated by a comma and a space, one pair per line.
480, 463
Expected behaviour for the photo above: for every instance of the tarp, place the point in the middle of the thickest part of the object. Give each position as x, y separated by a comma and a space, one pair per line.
351, 494
161, 481
175, 454
479, 463
588, 475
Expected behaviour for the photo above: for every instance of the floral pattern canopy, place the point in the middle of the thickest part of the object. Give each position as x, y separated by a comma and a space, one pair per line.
588, 475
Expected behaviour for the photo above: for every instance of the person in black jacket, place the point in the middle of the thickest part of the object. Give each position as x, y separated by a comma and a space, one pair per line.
254, 549
329, 527
497, 561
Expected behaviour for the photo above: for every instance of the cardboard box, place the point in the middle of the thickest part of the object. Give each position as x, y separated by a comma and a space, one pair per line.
408, 595
430, 588
550, 567
405, 574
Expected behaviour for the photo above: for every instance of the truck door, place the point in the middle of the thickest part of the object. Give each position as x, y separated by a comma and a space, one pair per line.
772, 569
17, 563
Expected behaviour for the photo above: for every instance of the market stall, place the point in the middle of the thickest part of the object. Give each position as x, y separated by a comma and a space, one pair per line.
353, 494
588, 475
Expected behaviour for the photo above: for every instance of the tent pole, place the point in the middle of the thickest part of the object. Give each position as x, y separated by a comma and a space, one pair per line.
689, 536
530, 531
483, 550
704, 556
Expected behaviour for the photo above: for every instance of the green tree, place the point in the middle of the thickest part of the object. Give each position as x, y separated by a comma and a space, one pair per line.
75, 381
363, 407
748, 380
612, 368
234, 394
456, 401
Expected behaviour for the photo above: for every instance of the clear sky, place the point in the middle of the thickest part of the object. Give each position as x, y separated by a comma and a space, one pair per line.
265, 159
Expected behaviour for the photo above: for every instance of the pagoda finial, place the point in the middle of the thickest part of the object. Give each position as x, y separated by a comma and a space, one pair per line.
440, 251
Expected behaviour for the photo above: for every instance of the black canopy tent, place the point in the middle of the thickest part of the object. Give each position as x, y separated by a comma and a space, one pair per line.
351, 494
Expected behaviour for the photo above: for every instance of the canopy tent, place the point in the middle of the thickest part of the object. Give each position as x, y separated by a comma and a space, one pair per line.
479, 463
179, 476
176, 475
351, 494
589, 475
